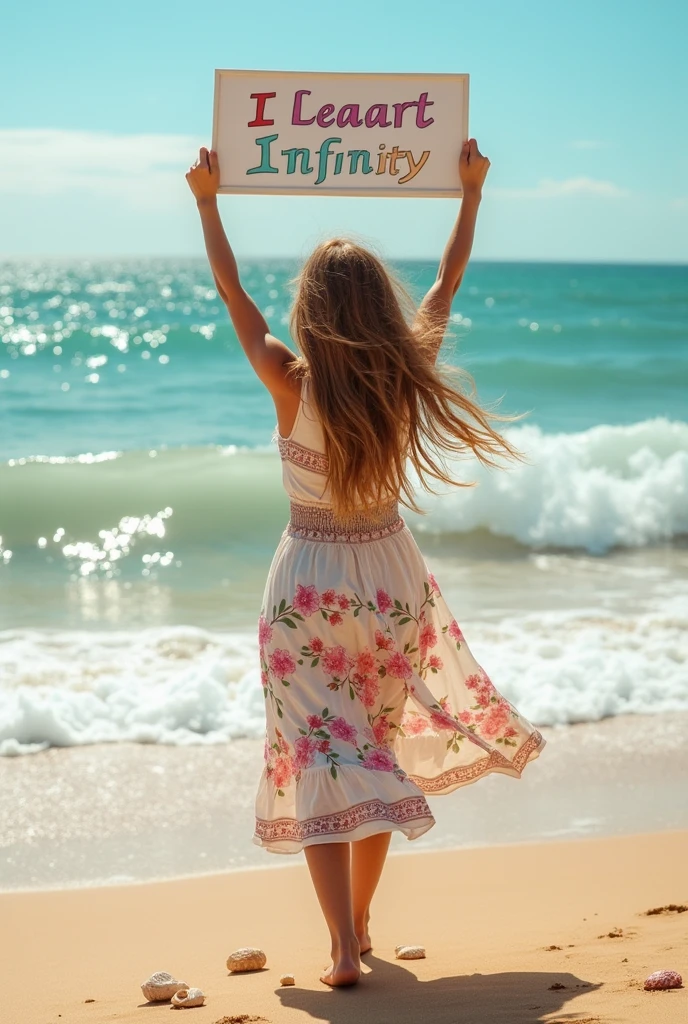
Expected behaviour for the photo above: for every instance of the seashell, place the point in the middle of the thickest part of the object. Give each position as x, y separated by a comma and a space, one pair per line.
287, 979
188, 997
246, 959
663, 979
160, 987
410, 952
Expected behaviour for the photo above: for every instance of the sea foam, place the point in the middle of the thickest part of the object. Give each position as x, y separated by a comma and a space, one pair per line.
602, 488
606, 487
183, 685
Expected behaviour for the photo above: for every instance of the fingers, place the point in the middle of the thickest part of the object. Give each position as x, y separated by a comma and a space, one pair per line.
214, 161
474, 154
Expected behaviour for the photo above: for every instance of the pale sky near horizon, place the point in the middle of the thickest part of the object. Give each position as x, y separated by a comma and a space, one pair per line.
581, 108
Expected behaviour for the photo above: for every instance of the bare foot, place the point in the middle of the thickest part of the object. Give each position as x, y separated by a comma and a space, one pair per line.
345, 968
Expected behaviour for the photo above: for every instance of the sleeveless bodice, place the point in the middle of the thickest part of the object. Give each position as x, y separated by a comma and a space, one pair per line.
304, 463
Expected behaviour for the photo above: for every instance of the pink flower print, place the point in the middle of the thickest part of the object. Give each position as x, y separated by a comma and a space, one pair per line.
367, 691
316, 645
263, 677
382, 642
510, 732
414, 724
335, 661
465, 717
304, 752
398, 666
282, 743
495, 720
379, 760
434, 661
439, 721
384, 601
343, 602
455, 632
433, 584
365, 663
328, 597
336, 619
264, 631
315, 722
484, 690
381, 729
322, 746
282, 663
365, 678
282, 771
427, 638
341, 730
445, 705
306, 600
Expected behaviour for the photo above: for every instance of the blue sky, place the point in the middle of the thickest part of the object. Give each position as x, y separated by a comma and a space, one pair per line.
581, 108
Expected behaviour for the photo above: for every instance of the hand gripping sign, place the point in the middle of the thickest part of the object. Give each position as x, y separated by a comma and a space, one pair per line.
287, 132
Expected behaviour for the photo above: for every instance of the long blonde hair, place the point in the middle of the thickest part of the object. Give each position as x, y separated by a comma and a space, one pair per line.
375, 387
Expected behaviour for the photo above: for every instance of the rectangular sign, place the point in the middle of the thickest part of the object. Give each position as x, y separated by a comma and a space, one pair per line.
293, 133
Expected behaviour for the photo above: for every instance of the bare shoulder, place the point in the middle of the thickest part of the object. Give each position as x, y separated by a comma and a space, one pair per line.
282, 383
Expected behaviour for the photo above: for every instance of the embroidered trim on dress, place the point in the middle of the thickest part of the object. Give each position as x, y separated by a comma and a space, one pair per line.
470, 772
308, 458
315, 522
408, 809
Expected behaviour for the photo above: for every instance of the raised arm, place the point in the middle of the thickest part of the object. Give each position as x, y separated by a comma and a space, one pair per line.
268, 356
436, 305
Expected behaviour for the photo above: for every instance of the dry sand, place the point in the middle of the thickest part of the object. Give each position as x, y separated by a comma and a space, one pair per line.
514, 934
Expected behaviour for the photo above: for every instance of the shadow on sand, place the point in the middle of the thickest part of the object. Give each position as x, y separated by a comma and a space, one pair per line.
391, 993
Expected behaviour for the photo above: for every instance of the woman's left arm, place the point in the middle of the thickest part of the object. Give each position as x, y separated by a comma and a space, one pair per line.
436, 305
269, 357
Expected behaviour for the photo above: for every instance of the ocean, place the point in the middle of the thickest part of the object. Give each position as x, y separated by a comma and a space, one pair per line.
140, 496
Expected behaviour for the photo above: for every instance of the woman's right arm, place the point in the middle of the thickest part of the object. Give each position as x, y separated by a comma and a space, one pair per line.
436, 305
269, 357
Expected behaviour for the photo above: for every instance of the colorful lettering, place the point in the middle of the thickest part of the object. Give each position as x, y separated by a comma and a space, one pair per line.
423, 102
356, 155
414, 168
348, 116
379, 118
323, 156
264, 167
292, 154
260, 119
296, 112
324, 118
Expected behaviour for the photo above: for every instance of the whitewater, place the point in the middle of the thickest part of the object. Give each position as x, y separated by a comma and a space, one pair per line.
606, 487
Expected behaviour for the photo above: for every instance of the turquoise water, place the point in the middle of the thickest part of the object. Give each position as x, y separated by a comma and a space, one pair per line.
136, 355
140, 496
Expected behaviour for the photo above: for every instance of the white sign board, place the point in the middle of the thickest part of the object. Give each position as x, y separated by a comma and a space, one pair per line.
293, 133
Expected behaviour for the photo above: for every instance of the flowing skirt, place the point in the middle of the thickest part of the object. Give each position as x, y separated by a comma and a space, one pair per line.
373, 698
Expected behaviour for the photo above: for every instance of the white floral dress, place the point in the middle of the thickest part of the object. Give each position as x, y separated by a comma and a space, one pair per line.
373, 698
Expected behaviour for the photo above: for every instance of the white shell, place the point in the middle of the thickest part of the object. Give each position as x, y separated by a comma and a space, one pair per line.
188, 997
410, 952
160, 987
246, 959
287, 979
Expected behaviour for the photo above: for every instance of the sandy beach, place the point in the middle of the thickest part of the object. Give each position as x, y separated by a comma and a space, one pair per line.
514, 934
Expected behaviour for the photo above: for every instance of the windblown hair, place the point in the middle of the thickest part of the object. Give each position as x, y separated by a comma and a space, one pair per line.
375, 386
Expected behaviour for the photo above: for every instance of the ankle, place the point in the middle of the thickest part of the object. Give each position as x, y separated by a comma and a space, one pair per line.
345, 945
361, 923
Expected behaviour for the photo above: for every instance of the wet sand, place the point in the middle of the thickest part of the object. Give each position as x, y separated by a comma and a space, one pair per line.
124, 813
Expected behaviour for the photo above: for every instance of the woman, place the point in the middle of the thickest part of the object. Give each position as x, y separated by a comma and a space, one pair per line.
373, 698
